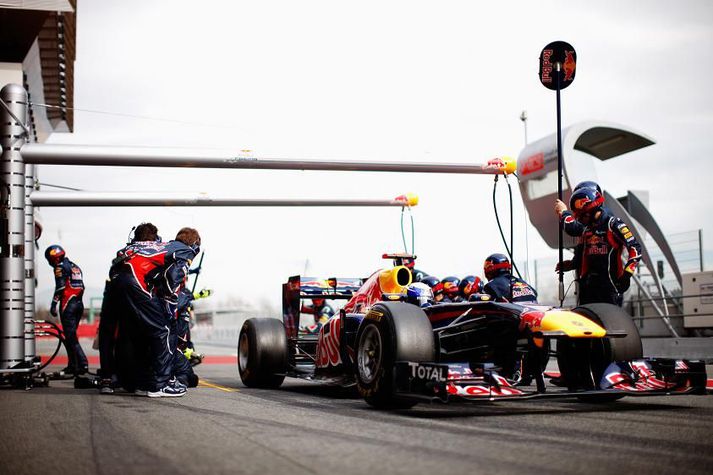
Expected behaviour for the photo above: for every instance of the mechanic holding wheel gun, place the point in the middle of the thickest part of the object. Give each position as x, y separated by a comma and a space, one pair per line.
69, 288
598, 256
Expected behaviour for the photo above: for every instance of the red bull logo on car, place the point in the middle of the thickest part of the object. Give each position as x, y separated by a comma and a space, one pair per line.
328, 343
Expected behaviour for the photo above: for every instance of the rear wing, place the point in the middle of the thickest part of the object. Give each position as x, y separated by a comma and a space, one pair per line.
298, 288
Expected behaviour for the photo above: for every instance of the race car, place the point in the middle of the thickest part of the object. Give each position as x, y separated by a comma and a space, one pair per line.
398, 354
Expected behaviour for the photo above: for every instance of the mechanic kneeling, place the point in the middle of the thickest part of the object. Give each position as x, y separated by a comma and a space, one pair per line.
502, 286
148, 281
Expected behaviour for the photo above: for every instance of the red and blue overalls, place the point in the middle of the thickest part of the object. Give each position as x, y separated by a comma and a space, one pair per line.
146, 279
69, 288
599, 259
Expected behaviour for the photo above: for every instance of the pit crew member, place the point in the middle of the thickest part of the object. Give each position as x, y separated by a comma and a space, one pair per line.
68, 292
148, 281
502, 286
322, 312
598, 257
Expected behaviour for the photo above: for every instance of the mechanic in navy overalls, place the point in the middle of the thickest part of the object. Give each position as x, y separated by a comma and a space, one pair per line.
603, 277
109, 321
68, 291
148, 282
502, 286
322, 312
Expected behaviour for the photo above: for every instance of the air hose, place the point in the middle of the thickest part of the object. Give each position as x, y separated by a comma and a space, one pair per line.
508, 249
57, 333
403, 233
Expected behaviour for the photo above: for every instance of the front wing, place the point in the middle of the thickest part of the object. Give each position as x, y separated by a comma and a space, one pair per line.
457, 382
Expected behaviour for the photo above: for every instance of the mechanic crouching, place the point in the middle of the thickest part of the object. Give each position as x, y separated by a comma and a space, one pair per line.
147, 282
184, 357
502, 286
321, 311
110, 332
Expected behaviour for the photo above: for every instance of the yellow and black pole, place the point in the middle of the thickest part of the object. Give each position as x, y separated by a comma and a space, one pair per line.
558, 64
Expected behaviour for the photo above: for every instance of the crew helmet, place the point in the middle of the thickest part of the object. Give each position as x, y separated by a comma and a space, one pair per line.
450, 286
496, 264
430, 281
469, 285
585, 201
588, 184
54, 254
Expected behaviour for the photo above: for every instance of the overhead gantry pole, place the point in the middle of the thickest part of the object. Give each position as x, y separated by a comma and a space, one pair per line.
83, 198
50, 154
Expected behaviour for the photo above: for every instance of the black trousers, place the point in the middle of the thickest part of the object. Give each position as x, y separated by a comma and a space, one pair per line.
108, 325
181, 367
144, 328
598, 289
70, 316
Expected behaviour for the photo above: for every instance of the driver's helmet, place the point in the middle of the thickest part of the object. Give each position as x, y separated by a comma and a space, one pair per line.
585, 201
450, 286
495, 265
470, 285
419, 294
54, 254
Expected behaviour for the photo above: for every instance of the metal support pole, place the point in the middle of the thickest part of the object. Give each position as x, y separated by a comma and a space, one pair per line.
700, 248
29, 265
51, 154
83, 198
13, 114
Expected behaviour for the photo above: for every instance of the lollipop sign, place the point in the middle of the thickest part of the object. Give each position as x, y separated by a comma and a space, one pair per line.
558, 65
557, 59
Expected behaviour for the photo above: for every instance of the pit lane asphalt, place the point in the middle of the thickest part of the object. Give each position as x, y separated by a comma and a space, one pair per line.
308, 428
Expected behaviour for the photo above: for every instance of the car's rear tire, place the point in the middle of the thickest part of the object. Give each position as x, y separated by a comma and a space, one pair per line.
262, 353
390, 332
582, 362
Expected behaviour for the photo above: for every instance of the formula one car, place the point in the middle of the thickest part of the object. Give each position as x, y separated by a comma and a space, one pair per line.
398, 353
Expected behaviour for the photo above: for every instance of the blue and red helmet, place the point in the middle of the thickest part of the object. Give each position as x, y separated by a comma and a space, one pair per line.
470, 285
430, 281
588, 184
54, 254
450, 286
495, 265
585, 201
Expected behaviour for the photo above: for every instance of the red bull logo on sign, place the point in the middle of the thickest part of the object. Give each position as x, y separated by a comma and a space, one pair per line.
569, 65
546, 67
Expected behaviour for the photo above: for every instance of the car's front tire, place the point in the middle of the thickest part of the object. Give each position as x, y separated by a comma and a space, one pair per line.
390, 332
582, 362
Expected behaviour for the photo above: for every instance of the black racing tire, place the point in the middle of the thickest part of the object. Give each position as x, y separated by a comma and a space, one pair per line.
390, 332
262, 353
582, 362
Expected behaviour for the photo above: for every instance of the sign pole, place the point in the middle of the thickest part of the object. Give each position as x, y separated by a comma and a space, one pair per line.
558, 59
558, 67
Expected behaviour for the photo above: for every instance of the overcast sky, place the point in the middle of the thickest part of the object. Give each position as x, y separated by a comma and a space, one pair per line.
383, 80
